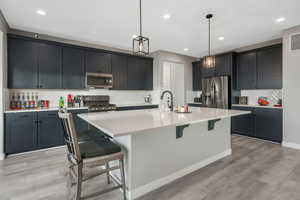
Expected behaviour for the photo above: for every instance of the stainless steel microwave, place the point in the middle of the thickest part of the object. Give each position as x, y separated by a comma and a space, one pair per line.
98, 80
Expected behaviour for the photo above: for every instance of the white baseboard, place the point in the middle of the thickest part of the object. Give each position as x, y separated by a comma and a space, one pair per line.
2, 156
138, 192
291, 145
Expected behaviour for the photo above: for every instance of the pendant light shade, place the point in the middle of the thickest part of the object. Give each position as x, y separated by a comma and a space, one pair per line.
209, 61
140, 43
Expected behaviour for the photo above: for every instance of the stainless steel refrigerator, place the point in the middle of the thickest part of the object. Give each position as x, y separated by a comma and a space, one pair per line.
216, 92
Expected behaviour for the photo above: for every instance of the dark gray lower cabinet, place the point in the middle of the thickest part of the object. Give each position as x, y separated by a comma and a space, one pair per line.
262, 123
20, 132
196, 105
50, 132
268, 124
243, 124
123, 108
29, 131
80, 124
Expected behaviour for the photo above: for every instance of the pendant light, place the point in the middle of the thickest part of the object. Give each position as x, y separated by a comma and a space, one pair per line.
141, 43
209, 61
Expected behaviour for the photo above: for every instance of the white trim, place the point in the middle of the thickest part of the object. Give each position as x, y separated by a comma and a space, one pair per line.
165, 180
291, 145
2, 156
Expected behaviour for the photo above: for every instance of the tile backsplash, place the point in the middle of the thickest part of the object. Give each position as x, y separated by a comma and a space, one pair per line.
253, 95
116, 96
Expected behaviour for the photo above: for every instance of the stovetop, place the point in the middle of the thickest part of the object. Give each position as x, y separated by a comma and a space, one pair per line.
98, 103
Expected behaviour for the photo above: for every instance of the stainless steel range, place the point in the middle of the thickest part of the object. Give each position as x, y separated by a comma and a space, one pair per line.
98, 103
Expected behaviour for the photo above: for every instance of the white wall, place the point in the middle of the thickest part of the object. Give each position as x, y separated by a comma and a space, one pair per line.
163, 56
291, 91
3, 69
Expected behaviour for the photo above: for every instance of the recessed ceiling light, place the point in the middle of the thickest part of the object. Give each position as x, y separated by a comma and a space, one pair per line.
167, 16
221, 38
281, 19
185, 49
41, 12
134, 36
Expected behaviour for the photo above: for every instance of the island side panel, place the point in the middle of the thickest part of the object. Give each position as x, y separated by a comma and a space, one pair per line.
159, 158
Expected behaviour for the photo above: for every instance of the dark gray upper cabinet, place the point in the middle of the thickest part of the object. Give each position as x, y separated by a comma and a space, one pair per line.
223, 65
243, 124
148, 64
20, 132
197, 77
34, 63
73, 72
246, 70
269, 68
268, 124
98, 62
50, 65
139, 73
50, 131
22, 64
119, 71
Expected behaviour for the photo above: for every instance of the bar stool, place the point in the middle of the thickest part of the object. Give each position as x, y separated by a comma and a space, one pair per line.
93, 153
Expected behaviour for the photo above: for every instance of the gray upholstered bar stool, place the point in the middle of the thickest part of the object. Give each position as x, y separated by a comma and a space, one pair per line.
93, 153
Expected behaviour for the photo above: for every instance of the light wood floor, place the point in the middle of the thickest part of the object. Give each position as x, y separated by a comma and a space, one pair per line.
256, 170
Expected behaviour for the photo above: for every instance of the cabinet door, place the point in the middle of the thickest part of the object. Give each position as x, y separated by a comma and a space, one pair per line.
80, 124
223, 65
73, 75
269, 68
22, 64
50, 64
98, 62
119, 71
197, 78
243, 124
50, 131
20, 132
148, 64
268, 124
246, 70
136, 73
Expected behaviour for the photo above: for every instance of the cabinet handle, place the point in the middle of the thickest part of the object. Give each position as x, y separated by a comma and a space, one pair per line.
24, 116
41, 86
52, 114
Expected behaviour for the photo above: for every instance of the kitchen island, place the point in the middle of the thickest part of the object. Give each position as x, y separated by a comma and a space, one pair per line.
162, 146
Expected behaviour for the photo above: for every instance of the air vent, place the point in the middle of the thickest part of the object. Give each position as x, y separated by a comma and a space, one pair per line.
295, 42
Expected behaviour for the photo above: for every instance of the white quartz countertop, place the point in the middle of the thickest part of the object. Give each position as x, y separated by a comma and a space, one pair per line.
123, 123
43, 109
136, 104
256, 106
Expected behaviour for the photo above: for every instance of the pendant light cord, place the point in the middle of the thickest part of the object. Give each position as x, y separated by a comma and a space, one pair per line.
209, 37
140, 17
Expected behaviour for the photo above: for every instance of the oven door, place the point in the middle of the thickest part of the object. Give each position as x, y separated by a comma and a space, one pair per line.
99, 80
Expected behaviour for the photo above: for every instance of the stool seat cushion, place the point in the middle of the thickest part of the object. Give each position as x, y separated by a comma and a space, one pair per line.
98, 148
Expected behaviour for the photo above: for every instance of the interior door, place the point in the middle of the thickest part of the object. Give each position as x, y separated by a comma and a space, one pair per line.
173, 79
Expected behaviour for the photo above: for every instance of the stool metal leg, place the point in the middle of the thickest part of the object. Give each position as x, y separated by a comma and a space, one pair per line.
123, 177
107, 173
79, 181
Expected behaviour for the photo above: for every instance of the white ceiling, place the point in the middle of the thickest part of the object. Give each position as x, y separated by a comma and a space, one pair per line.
113, 22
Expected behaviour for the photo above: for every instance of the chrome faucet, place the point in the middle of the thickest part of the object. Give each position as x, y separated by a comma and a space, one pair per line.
171, 95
